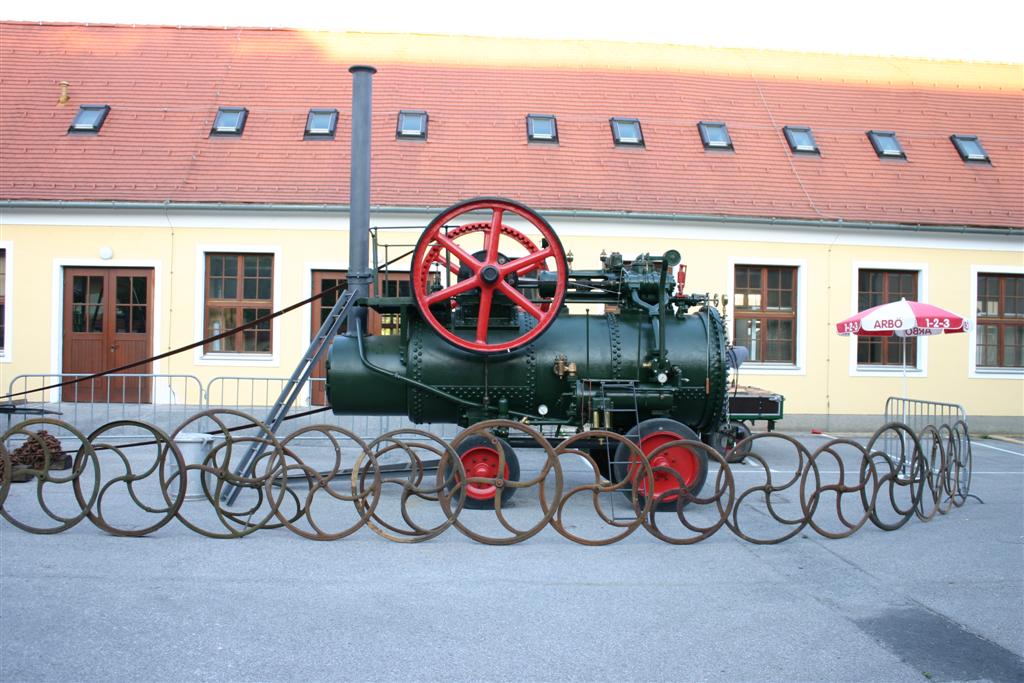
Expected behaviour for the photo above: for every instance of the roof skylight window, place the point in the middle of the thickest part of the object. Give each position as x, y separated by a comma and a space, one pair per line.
541, 128
90, 118
714, 135
886, 145
229, 121
321, 123
627, 132
969, 147
412, 124
800, 140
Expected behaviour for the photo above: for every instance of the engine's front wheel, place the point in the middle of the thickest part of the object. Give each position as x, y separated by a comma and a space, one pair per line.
674, 463
481, 459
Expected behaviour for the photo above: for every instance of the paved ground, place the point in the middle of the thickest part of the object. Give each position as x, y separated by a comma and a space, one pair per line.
939, 601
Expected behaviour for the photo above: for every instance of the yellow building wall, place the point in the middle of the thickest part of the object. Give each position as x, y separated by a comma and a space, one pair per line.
823, 385
826, 385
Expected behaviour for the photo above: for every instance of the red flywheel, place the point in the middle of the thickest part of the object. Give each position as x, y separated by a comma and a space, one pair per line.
488, 272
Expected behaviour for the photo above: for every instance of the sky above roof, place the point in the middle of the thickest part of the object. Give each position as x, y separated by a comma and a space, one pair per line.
982, 30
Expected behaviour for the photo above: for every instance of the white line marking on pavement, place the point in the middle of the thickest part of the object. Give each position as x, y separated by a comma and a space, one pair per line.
995, 448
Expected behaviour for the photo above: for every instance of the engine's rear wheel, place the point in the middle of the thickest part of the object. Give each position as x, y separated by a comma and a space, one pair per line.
690, 464
480, 458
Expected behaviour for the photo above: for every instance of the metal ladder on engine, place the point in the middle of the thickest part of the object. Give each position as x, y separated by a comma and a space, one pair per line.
629, 385
291, 390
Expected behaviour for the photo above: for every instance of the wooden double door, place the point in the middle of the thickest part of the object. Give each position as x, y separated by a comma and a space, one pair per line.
108, 323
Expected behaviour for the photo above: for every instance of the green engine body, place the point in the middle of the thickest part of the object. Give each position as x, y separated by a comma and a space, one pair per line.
653, 354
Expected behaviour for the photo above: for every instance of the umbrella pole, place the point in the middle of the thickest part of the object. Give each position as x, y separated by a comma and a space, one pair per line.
903, 362
904, 465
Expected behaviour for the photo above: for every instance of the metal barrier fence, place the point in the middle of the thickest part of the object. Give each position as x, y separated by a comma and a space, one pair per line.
168, 401
255, 395
165, 400
919, 415
160, 400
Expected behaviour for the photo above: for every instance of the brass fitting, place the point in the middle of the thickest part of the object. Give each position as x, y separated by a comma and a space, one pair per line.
563, 367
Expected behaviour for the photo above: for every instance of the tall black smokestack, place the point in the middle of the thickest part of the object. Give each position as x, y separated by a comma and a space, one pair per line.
359, 275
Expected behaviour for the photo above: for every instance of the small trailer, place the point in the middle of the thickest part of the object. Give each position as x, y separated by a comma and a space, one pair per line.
746, 405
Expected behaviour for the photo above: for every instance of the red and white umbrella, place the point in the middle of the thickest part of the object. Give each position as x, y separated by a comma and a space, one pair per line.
902, 319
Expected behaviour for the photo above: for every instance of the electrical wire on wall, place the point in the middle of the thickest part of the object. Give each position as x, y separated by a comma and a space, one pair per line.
170, 283
187, 347
828, 317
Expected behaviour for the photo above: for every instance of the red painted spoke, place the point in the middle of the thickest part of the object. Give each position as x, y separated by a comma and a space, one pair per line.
459, 253
520, 300
493, 235
484, 316
526, 263
454, 290
447, 263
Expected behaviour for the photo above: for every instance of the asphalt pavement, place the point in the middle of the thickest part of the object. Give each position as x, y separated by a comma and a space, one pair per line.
941, 600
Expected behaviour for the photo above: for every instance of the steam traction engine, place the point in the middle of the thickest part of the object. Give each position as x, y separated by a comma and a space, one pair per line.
488, 333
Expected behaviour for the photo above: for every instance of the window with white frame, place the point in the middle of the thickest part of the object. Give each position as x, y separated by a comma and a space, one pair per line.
765, 312
1000, 321
239, 290
874, 288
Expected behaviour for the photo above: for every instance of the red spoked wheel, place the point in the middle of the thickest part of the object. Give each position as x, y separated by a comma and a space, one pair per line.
490, 271
480, 458
435, 253
690, 464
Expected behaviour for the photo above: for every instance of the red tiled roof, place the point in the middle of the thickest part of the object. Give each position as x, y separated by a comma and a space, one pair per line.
164, 86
